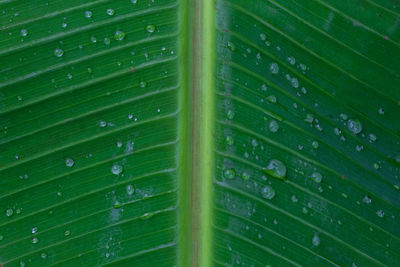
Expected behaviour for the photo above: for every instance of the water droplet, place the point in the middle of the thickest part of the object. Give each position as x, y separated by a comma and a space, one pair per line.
58, 52
102, 124
309, 118
343, 116
268, 192
150, 28
130, 189
294, 199
263, 37
107, 41
315, 240
372, 137
271, 98
34, 230
67, 232
354, 126
245, 176
229, 173
316, 177
143, 84
64, 25
88, 14
9, 212
315, 144
93, 39
380, 213
119, 35
276, 169
43, 255
337, 131
230, 114
274, 68
147, 215
24, 32
69, 162
229, 140
294, 82
291, 60
381, 111
1, 237
117, 169
133, 1
22, 264
273, 126
367, 200
35, 240
110, 12
231, 46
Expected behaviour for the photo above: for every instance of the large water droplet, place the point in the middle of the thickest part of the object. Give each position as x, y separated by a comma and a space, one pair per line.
130, 189
276, 169
88, 14
150, 28
110, 12
119, 35
69, 162
316, 177
273, 126
268, 192
9, 212
354, 126
229, 173
117, 169
58, 52
274, 68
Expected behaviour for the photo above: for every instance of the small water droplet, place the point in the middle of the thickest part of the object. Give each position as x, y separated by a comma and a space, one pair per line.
271, 98
316, 177
107, 41
276, 169
274, 68
35, 240
34, 230
143, 84
58, 52
273, 126
372, 137
119, 35
64, 25
22, 264
315, 144
88, 14
230, 114
231, 46
229, 140
229, 173
69, 162
150, 28
315, 240
130, 190
43, 255
343, 116
245, 176
110, 12
268, 192
354, 126
263, 37
67, 232
24, 32
380, 213
309, 118
291, 60
102, 124
117, 169
294, 199
9, 212
367, 200
381, 111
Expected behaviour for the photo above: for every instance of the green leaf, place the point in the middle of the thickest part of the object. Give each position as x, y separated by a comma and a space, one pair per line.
200, 133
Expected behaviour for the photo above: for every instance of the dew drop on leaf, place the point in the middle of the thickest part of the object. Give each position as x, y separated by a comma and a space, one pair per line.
119, 35
110, 12
150, 28
273, 126
316, 177
268, 192
274, 68
117, 169
229, 173
58, 52
24, 32
9, 212
69, 162
88, 14
130, 189
354, 126
276, 169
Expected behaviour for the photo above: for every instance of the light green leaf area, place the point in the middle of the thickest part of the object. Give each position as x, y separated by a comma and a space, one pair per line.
127, 138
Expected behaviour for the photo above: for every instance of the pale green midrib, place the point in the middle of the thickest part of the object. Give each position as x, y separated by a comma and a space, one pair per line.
197, 65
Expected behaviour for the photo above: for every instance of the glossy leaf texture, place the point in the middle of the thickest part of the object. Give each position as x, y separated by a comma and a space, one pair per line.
308, 133
88, 133
97, 145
